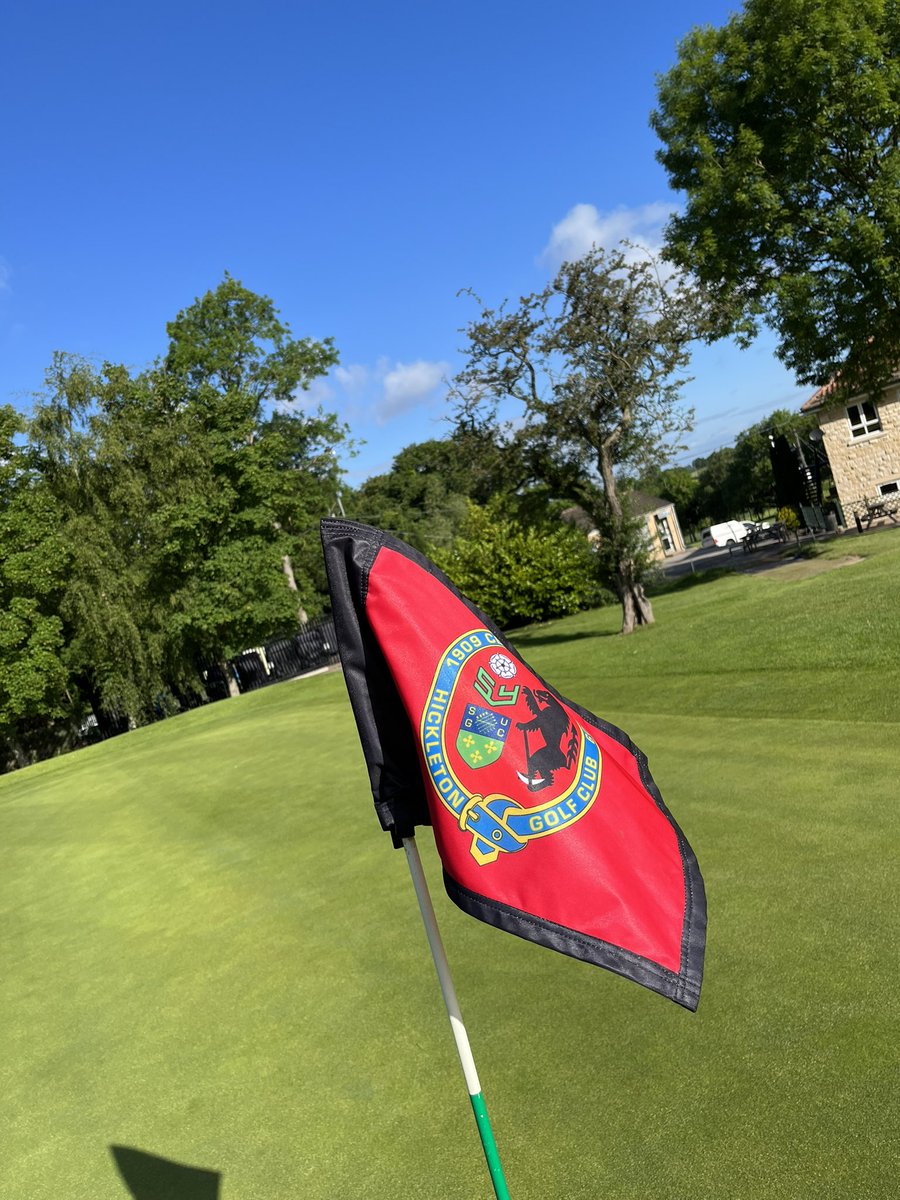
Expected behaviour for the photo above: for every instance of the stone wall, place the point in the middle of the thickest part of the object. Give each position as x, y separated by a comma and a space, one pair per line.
860, 465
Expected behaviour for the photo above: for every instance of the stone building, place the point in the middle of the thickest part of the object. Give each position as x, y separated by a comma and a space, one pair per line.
861, 437
660, 520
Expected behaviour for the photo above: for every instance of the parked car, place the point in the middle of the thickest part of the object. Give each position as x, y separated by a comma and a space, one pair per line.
726, 533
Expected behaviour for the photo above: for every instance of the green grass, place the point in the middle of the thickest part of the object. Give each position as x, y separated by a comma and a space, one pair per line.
211, 954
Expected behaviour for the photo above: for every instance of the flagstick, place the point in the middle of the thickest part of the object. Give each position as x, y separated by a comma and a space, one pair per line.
456, 1023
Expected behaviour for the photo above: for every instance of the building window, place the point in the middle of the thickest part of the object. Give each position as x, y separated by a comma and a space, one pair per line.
888, 489
665, 535
863, 418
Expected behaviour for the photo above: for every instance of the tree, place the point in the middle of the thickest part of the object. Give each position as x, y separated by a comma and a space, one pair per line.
518, 573
711, 501
424, 498
241, 371
678, 484
113, 458
782, 127
33, 565
595, 361
190, 502
421, 499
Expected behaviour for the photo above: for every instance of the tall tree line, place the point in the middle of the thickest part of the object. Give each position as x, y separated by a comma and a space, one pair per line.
152, 522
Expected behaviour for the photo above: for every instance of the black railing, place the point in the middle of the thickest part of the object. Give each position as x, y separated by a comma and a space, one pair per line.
283, 658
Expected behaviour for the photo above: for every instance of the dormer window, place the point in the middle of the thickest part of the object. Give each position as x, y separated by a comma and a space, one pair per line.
863, 419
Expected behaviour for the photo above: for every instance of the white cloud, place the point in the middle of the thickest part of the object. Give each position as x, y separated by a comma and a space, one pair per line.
407, 385
5, 275
319, 392
378, 392
584, 226
352, 379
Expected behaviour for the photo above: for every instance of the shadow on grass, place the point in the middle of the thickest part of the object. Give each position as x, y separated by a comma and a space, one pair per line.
559, 639
150, 1178
662, 587
810, 550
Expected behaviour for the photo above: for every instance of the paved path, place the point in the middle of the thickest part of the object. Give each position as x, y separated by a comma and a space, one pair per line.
766, 554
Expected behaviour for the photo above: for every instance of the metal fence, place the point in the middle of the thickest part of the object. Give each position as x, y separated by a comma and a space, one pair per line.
283, 658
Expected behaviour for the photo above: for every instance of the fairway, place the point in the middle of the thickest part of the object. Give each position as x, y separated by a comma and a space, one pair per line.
211, 954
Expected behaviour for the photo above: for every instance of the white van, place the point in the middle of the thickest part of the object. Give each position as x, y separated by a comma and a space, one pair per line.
727, 533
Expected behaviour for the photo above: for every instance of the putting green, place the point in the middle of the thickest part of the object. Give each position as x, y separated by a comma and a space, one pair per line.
212, 955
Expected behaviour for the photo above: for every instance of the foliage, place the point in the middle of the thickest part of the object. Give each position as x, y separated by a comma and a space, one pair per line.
781, 127
424, 497
184, 497
518, 574
751, 483
33, 563
421, 499
242, 370
595, 363
678, 484
714, 475
789, 518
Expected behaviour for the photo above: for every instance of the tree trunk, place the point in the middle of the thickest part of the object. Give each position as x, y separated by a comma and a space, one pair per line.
233, 689
288, 568
636, 608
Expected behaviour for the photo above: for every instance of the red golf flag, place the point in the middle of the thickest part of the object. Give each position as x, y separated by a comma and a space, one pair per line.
546, 818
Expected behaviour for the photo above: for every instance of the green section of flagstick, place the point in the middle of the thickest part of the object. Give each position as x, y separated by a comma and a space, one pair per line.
490, 1147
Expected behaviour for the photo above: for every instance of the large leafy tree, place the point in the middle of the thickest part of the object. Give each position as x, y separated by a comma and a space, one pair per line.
33, 565
113, 459
712, 500
595, 362
190, 494
420, 499
782, 128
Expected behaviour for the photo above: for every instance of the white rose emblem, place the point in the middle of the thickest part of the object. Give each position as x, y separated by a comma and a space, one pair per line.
502, 666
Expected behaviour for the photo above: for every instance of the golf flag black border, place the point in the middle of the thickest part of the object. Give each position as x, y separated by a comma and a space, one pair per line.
392, 755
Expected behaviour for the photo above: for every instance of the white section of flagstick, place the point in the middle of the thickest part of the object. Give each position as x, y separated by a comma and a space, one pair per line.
426, 908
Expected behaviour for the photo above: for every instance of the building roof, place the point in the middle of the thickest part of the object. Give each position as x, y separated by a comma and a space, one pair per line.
577, 516
828, 390
642, 503
817, 399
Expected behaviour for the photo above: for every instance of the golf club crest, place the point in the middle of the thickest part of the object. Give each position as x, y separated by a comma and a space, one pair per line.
490, 732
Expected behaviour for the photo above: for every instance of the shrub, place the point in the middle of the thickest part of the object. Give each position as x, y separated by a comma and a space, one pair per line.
517, 573
788, 518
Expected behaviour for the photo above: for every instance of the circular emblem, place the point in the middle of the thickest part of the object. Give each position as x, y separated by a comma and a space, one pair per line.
509, 760
503, 667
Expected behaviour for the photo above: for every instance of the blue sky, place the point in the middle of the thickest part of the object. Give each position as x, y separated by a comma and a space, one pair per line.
358, 163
